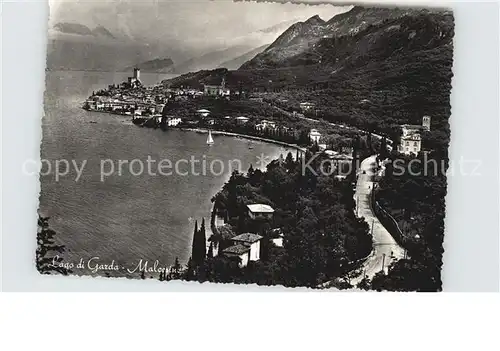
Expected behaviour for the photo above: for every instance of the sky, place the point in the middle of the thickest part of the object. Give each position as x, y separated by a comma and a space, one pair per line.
195, 23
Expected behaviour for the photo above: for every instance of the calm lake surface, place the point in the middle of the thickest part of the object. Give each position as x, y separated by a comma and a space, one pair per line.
126, 218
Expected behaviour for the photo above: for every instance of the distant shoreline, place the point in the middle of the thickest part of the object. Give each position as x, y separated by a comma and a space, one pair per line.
107, 71
245, 136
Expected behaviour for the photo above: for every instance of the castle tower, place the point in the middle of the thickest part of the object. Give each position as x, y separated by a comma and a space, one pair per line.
137, 74
426, 122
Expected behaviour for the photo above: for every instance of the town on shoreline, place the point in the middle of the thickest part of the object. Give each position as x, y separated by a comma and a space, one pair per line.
240, 238
220, 110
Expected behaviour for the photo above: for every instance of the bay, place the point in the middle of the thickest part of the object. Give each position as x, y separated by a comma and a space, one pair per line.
126, 217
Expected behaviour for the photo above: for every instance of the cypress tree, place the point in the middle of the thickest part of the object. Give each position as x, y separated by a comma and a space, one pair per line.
383, 149
289, 163
202, 242
194, 246
210, 253
355, 155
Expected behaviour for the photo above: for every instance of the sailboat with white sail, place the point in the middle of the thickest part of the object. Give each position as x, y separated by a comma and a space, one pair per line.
210, 140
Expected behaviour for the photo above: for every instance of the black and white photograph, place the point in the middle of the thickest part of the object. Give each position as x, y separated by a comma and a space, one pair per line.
291, 144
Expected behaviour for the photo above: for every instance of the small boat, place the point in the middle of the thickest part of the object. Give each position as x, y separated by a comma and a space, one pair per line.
92, 122
210, 140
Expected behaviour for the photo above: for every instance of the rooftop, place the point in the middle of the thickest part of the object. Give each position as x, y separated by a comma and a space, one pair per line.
247, 237
236, 249
412, 126
260, 208
412, 136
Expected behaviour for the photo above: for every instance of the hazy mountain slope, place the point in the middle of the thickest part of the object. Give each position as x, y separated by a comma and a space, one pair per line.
73, 46
72, 28
80, 29
212, 59
100, 30
63, 54
159, 65
238, 61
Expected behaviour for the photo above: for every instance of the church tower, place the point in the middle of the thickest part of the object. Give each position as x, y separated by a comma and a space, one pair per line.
137, 74
426, 122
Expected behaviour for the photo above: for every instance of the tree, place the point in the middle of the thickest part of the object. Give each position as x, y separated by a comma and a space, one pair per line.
355, 157
383, 149
195, 245
304, 249
210, 253
162, 276
351, 275
369, 141
289, 162
189, 270
46, 263
202, 243
364, 284
176, 269
315, 147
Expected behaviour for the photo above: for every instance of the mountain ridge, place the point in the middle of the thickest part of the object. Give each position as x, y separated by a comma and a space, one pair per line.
400, 67
301, 37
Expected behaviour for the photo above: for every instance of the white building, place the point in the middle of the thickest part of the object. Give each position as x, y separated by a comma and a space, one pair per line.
249, 240
173, 121
314, 135
241, 120
159, 108
217, 90
203, 112
242, 252
265, 124
411, 143
260, 211
276, 236
411, 140
306, 106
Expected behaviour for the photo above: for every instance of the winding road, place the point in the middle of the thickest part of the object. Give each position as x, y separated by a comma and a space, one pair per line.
385, 249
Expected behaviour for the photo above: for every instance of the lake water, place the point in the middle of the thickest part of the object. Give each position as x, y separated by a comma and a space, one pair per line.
126, 218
